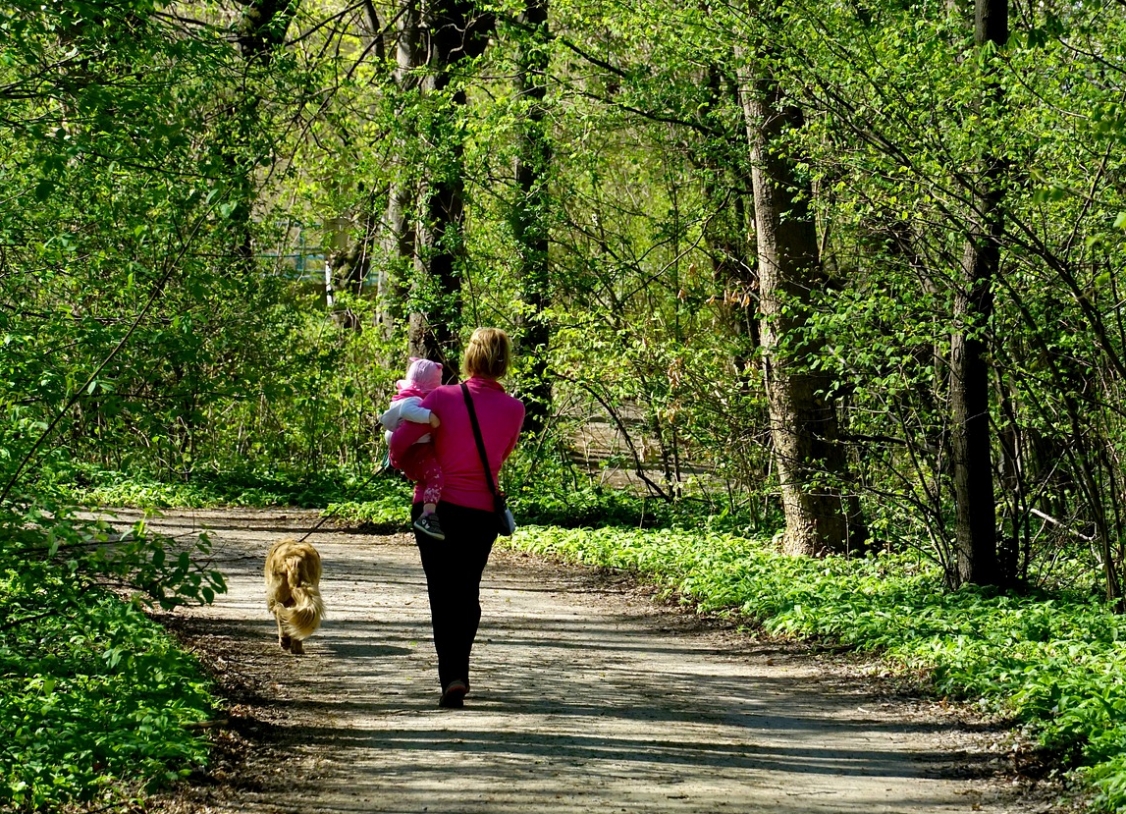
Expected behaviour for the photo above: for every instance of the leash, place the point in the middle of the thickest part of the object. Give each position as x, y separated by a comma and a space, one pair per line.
329, 515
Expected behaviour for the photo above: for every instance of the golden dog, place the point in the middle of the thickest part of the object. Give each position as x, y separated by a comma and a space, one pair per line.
293, 595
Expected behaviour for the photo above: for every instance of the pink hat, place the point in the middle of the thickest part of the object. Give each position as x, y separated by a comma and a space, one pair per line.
422, 377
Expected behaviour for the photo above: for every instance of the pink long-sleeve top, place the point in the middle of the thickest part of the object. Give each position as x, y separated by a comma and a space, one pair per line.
500, 416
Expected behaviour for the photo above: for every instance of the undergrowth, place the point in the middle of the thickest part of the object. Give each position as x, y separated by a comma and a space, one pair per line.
1052, 662
259, 487
96, 699
379, 500
1055, 663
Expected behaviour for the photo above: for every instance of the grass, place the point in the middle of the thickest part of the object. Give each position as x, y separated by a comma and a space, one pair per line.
1055, 663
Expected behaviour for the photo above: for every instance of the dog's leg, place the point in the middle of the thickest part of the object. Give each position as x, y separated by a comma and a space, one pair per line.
297, 648
283, 639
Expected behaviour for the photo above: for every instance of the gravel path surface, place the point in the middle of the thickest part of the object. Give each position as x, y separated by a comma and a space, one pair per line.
587, 696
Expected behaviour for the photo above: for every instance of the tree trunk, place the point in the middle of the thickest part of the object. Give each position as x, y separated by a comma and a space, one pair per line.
975, 513
350, 258
804, 428
261, 31
456, 31
530, 216
398, 225
433, 333
398, 253
263, 28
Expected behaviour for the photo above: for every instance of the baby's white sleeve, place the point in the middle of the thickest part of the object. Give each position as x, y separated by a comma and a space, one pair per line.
391, 418
413, 411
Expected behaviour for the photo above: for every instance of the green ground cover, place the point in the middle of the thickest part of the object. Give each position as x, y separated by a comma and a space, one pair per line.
95, 698
381, 500
1055, 663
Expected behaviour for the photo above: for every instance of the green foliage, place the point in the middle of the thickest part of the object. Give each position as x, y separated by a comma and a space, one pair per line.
390, 513
158, 346
1054, 662
539, 492
898, 121
539, 503
95, 698
545, 489
91, 485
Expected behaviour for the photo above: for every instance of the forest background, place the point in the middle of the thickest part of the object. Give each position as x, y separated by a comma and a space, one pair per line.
839, 285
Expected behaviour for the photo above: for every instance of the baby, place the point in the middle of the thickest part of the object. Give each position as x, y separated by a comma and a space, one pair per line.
421, 465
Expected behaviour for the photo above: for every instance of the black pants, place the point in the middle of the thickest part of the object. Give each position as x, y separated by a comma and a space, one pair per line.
453, 581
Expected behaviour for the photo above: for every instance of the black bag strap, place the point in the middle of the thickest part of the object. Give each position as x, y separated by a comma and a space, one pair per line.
477, 437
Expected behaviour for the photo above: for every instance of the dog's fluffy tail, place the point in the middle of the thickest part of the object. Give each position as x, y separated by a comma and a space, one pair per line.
307, 611
293, 574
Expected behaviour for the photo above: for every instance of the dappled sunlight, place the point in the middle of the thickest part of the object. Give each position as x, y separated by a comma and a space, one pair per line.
581, 699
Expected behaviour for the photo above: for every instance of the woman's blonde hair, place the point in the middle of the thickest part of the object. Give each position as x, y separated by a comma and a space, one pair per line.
487, 353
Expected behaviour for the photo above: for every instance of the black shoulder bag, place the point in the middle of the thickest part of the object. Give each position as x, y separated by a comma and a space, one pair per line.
506, 523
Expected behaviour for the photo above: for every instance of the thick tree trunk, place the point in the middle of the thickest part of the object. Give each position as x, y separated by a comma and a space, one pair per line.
263, 28
975, 520
975, 511
530, 216
804, 428
457, 30
398, 242
261, 31
433, 333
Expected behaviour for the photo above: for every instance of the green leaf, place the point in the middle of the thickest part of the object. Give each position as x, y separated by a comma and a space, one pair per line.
44, 189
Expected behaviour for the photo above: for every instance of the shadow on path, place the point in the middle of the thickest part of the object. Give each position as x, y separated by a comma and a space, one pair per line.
583, 700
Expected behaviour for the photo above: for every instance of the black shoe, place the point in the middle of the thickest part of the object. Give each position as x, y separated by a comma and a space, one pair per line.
454, 696
428, 524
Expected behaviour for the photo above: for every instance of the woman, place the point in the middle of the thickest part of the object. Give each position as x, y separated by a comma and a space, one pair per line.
454, 566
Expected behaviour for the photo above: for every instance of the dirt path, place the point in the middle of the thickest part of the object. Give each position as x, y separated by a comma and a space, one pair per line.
587, 697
